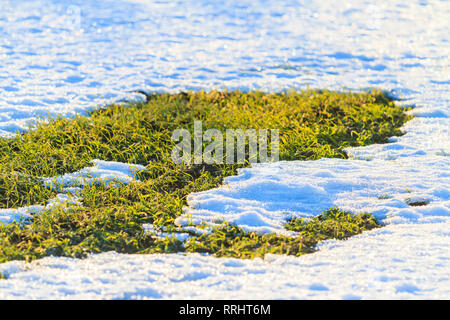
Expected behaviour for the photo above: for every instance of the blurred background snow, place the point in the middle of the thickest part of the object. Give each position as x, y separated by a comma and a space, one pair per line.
65, 57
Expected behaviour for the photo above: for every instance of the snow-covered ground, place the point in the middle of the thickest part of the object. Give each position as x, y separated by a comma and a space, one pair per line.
66, 57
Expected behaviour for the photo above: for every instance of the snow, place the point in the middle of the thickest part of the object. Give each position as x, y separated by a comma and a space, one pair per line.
70, 185
263, 197
106, 172
61, 57
150, 229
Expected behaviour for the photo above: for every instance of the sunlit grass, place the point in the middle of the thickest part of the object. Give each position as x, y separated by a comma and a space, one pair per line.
313, 124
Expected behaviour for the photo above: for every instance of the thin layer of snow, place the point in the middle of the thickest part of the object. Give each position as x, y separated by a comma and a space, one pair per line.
18, 214
431, 139
70, 185
388, 263
106, 172
62, 57
150, 229
56, 61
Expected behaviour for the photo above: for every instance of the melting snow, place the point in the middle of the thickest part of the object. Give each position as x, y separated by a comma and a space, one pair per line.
70, 184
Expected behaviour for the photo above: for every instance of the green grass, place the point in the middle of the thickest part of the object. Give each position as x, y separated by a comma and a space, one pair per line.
312, 124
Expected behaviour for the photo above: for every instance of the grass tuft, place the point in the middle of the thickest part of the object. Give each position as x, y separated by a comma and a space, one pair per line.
333, 224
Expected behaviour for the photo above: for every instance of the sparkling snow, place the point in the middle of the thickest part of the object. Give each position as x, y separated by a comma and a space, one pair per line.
67, 57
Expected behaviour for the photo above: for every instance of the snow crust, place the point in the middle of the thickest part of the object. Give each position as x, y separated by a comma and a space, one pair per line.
51, 66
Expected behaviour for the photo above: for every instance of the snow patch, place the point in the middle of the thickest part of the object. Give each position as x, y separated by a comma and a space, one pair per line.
70, 186
106, 172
